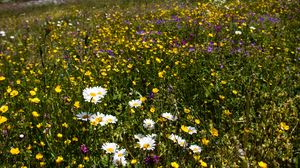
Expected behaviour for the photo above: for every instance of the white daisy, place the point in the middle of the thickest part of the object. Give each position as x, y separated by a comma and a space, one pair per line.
238, 32
110, 119
110, 147
147, 143
169, 116
148, 124
119, 157
2, 33
177, 139
182, 142
195, 148
135, 103
98, 118
94, 94
192, 130
84, 116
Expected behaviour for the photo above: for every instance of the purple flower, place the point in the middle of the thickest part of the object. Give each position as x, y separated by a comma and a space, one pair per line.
152, 159
84, 149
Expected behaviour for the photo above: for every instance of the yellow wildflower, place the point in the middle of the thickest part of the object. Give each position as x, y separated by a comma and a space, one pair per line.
283, 126
2, 119
152, 109
203, 164
214, 132
14, 151
59, 159
262, 164
39, 156
133, 161
155, 90
14, 93
34, 100
58, 89
4, 108
77, 104
2, 78
174, 164
35, 114
205, 141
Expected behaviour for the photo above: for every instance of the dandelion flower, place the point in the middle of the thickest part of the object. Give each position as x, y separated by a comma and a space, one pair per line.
58, 89
195, 148
135, 103
148, 124
110, 147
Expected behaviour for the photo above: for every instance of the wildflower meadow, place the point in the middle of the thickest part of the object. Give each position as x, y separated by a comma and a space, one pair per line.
167, 84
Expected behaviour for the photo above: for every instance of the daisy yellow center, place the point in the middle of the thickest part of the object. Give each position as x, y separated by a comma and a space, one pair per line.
93, 94
111, 150
99, 119
146, 146
120, 155
135, 104
85, 116
109, 120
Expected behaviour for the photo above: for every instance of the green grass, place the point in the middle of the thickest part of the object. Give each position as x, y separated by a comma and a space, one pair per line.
230, 71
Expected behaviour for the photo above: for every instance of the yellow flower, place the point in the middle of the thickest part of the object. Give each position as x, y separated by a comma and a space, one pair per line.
283, 126
23, 166
223, 82
35, 114
32, 93
186, 110
14, 151
235, 92
86, 158
214, 132
18, 81
174, 164
227, 112
39, 156
155, 90
59, 135
88, 73
143, 99
133, 161
4, 108
34, 100
58, 89
80, 166
152, 109
2, 78
161, 74
42, 163
77, 104
221, 97
197, 121
184, 128
203, 164
2, 119
262, 164
205, 141
14, 93
75, 139
59, 159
